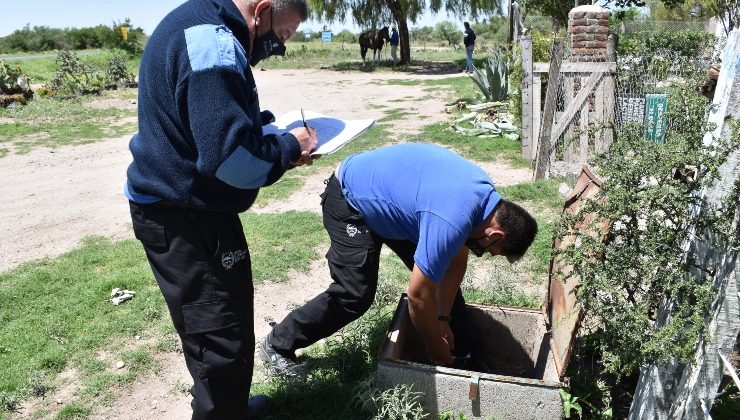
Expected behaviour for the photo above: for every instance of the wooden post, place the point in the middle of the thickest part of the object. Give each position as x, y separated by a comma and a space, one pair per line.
607, 100
678, 391
527, 108
571, 125
585, 132
536, 114
542, 164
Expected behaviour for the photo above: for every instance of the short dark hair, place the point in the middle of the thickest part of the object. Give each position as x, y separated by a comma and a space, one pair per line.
466, 24
518, 225
300, 6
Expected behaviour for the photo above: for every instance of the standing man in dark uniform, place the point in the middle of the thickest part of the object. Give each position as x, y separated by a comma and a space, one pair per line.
431, 207
469, 42
199, 159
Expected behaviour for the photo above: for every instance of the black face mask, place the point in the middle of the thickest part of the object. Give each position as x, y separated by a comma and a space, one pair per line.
476, 248
266, 45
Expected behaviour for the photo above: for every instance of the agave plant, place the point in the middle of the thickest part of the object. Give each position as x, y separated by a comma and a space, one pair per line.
495, 82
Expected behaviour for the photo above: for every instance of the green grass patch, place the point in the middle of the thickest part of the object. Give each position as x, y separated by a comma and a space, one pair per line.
504, 290
337, 369
481, 149
47, 122
460, 86
542, 193
73, 411
346, 57
394, 114
41, 70
281, 243
56, 313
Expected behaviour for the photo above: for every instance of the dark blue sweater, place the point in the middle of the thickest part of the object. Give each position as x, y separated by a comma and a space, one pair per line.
200, 141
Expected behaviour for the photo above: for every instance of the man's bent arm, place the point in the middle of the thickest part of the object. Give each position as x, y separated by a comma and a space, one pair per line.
447, 288
423, 309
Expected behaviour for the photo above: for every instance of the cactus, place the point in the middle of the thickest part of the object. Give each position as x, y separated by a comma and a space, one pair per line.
14, 85
495, 82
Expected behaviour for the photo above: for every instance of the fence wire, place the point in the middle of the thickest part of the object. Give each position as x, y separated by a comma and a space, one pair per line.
637, 26
641, 79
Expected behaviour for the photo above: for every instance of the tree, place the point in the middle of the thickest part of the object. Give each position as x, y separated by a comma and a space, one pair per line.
449, 32
727, 10
556, 9
372, 13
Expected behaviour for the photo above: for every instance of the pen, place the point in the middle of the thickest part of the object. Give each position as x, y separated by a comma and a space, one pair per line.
303, 117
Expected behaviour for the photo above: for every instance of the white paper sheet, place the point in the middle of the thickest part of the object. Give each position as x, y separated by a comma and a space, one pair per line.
333, 133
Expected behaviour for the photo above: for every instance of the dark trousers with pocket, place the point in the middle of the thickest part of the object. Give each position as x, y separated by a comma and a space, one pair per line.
353, 259
202, 266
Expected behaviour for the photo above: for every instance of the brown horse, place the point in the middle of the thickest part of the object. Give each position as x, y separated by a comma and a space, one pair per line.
373, 39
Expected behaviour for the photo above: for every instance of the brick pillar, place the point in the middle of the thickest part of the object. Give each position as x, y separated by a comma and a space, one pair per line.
588, 27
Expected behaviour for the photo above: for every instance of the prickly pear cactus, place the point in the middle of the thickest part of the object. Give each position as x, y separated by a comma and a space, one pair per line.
14, 85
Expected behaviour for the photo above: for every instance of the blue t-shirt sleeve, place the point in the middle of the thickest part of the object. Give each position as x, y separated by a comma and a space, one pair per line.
439, 241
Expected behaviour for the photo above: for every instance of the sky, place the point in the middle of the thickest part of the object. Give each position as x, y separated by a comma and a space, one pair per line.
15, 14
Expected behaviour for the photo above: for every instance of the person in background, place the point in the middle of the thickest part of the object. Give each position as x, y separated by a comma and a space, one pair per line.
199, 159
394, 45
429, 206
469, 42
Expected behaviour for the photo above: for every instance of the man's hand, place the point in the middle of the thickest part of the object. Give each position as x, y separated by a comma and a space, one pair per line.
422, 295
308, 141
438, 352
447, 334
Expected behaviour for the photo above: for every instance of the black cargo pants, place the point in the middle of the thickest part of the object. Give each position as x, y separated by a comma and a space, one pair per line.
353, 260
202, 266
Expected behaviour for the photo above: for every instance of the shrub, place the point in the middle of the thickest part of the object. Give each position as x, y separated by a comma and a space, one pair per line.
640, 262
73, 77
686, 43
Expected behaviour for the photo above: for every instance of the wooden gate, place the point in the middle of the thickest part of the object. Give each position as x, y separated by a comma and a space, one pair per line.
582, 113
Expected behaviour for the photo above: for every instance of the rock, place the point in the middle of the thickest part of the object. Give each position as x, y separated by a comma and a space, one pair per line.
120, 364
564, 189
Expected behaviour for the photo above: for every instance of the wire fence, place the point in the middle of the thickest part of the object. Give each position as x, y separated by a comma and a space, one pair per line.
643, 83
636, 94
596, 102
538, 24
637, 26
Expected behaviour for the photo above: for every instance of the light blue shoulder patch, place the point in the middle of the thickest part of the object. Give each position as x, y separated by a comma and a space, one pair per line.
211, 46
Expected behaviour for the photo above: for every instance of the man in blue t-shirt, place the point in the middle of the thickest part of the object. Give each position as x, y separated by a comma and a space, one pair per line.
431, 207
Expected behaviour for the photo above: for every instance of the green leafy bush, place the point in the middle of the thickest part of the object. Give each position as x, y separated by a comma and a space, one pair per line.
634, 258
117, 71
686, 43
73, 77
